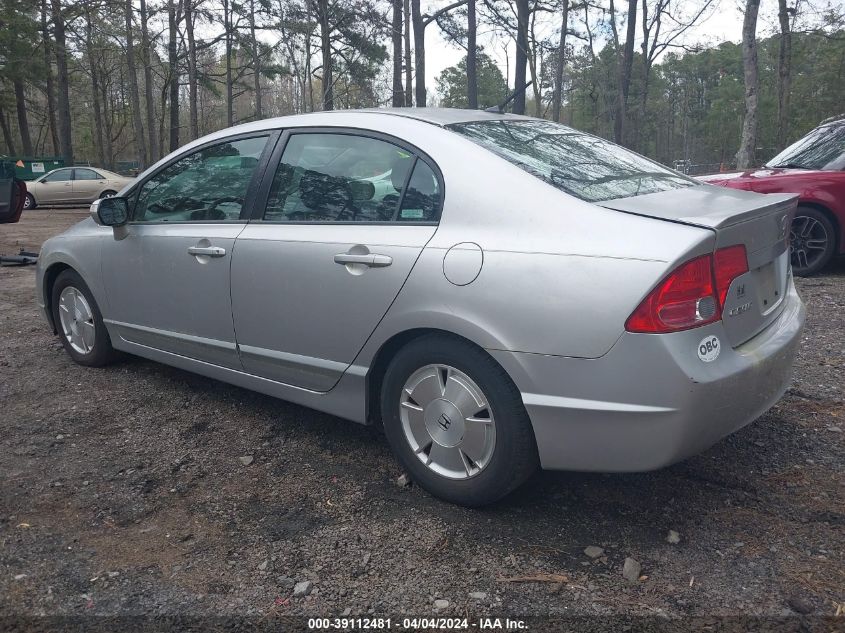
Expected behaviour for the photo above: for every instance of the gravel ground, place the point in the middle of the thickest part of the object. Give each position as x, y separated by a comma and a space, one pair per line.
141, 489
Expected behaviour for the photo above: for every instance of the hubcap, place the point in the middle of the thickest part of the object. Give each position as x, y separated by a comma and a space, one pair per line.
27, 202
807, 241
77, 320
447, 421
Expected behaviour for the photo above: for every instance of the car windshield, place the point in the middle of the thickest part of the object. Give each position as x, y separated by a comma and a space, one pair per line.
585, 166
823, 148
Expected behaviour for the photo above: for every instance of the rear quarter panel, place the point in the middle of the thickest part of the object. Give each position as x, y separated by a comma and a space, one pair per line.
559, 276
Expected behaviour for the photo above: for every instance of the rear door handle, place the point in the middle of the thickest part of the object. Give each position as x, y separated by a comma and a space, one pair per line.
208, 251
371, 259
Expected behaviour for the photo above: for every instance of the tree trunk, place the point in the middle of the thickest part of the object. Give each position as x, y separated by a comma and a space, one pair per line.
748, 140
227, 25
472, 57
193, 114
134, 93
409, 88
419, 52
256, 62
108, 150
625, 75
522, 11
65, 135
398, 97
148, 83
95, 89
7, 133
23, 121
784, 73
174, 76
48, 71
326, 50
557, 97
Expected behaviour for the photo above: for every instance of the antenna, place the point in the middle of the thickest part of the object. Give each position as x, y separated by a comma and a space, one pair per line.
499, 109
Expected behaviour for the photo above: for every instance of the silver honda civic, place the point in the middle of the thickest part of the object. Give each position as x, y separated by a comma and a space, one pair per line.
501, 293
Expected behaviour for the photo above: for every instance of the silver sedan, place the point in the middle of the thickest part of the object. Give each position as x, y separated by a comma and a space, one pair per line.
500, 293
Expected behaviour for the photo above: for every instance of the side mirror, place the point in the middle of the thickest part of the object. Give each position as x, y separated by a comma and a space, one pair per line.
110, 211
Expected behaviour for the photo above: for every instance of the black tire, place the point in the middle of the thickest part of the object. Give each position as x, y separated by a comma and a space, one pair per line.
101, 352
108, 193
514, 458
811, 224
29, 202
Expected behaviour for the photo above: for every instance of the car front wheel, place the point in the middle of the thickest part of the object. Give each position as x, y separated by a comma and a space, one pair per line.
108, 194
456, 422
811, 240
29, 202
79, 322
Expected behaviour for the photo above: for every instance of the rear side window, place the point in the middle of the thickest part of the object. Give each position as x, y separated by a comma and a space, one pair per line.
326, 177
585, 166
86, 174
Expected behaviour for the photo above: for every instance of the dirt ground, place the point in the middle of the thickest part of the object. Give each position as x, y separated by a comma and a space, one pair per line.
123, 492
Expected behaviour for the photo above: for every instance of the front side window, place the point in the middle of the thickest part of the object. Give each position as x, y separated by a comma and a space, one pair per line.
349, 178
208, 185
86, 174
60, 175
585, 166
823, 148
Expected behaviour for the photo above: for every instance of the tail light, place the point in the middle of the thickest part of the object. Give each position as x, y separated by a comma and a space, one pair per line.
692, 295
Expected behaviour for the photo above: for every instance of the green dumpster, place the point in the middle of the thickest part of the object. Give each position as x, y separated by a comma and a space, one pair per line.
31, 167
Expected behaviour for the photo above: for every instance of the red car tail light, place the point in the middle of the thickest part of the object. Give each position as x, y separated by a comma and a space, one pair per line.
692, 295
728, 264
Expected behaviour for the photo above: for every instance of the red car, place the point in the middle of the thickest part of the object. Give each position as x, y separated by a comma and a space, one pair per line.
814, 168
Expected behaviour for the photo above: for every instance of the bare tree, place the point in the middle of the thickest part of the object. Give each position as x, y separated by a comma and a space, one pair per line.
48, 75
134, 93
784, 70
521, 57
409, 88
173, 16
420, 22
96, 96
256, 63
398, 96
472, 56
62, 79
193, 107
625, 65
748, 139
146, 59
23, 121
561, 61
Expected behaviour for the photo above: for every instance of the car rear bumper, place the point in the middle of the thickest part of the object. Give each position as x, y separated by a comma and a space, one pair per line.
651, 401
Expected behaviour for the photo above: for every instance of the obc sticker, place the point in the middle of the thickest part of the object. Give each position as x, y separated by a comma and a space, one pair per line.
709, 348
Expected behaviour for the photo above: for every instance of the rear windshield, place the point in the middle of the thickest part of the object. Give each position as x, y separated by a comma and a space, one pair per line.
585, 166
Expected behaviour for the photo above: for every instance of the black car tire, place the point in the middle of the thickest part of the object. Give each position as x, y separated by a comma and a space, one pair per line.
29, 203
101, 353
514, 458
820, 227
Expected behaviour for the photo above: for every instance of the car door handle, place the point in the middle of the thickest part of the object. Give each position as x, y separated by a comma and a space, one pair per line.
209, 251
371, 259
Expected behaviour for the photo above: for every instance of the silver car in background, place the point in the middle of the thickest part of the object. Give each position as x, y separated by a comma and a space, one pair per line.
73, 185
500, 293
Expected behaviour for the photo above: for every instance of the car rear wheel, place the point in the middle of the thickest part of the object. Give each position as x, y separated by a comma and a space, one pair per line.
29, 202
108, 194
456, 422
79, 322
812, 241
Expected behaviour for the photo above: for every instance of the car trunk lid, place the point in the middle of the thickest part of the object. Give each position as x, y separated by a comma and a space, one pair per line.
758, 222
